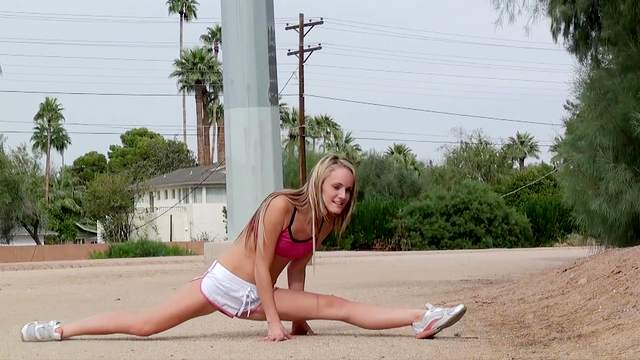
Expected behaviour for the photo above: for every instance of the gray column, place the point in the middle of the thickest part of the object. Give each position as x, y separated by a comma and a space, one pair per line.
251, 116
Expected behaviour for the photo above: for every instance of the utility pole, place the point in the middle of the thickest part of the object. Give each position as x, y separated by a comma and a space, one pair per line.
300, 53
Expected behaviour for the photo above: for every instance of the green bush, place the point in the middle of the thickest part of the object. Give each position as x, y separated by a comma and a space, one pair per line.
370, 227
141, 248
383, 177
468, 216
551, 220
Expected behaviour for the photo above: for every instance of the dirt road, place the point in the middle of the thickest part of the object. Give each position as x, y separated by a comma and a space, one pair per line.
72, 290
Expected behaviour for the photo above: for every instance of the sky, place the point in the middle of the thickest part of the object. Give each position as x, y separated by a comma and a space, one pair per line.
441, 67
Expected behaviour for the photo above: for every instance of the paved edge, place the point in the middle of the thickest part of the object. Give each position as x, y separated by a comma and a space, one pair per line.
202, 259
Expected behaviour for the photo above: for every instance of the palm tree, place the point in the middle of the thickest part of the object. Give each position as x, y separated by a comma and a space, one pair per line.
216, 113
344, 144
289, 124
196, 72
48, 121
403, 154
187, 10
212, 39
322, 128
521, 147
60, 139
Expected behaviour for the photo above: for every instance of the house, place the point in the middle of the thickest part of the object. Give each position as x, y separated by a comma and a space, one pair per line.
184, 205
86, 234
21, 237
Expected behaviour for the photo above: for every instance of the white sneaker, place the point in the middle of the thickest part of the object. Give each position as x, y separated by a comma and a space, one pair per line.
41, 331
435, 319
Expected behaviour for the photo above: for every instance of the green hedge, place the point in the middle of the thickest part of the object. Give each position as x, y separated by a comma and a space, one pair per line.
370, 227
551, 220
141, 248
469, 216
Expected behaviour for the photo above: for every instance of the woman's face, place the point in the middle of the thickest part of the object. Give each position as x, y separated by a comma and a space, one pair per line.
337, 190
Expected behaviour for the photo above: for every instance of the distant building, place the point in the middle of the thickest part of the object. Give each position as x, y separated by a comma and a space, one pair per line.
85, 234
21, 237
184, 205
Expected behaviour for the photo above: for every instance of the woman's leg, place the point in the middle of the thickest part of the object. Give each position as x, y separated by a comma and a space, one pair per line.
187, 303
301, 305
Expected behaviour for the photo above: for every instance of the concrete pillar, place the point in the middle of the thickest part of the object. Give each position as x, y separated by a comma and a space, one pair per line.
251, 114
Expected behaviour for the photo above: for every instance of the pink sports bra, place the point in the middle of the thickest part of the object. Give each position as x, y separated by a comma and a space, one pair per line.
290, 248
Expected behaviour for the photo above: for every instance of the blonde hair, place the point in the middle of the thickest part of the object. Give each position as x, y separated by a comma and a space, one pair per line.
310, 194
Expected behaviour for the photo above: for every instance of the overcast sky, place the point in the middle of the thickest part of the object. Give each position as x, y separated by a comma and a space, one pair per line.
446, 56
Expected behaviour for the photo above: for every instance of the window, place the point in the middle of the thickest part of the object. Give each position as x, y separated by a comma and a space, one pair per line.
214, 195
173, 194
197, 195
166, 194
186, 195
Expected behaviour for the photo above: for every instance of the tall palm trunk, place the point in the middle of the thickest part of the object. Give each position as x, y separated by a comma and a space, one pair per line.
219, 121
184, 96
48, 167
220, 137
206, 126
521, 163
199, 131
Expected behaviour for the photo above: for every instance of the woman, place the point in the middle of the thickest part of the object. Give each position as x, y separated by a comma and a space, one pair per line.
283, 233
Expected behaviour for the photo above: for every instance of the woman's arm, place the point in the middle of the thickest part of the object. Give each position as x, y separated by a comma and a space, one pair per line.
273, 224
296, 274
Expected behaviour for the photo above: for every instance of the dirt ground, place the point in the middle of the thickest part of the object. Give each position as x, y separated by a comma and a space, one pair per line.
522, 303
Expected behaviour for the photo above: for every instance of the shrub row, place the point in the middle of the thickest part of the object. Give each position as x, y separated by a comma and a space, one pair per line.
140, 248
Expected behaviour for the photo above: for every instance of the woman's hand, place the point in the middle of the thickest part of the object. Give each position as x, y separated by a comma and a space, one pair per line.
276, 332
301, 328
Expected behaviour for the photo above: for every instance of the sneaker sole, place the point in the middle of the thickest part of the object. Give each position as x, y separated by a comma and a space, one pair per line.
22, 332
428, 333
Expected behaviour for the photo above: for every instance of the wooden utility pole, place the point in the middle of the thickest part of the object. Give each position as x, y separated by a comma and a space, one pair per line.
300, 53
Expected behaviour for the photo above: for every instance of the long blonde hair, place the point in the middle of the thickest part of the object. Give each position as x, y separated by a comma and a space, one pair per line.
310, 194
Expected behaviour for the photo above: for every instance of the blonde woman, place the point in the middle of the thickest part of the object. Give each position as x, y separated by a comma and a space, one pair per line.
283, 233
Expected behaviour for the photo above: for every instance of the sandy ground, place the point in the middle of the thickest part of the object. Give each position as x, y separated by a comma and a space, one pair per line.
72, 290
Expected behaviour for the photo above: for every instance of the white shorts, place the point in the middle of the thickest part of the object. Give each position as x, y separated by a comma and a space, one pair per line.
230, 294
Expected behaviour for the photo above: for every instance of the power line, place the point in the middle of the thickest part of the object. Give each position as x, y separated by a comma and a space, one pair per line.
87, 132
531, 183
388, 50
88, 15
423, 60
83, 57
434, 74
371, 86
286, 83
91, 43
132, 124
85, 93
432, 38
373, 25
444, 142
475, 86
429, 110
55, 16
